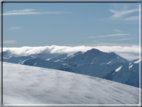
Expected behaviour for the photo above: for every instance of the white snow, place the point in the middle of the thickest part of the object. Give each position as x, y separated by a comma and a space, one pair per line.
137, 61
118, 68
34, 85
130, 66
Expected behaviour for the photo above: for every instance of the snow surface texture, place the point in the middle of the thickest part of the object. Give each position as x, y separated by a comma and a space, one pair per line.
92, 62
34, 85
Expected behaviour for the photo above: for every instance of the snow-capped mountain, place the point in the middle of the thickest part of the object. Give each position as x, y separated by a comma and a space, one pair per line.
127, 74
16, 59
94, 56
35, 85
43, 55
92, 62
45, 63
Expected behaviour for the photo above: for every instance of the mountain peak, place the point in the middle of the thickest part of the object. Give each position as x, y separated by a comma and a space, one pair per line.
113, 54
93, 50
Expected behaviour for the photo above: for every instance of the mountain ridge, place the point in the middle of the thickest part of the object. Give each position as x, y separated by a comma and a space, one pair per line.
92, 62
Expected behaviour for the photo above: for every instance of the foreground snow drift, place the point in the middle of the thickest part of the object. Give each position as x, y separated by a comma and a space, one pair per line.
35, 85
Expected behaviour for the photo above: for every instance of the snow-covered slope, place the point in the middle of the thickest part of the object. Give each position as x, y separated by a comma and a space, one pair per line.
34, 85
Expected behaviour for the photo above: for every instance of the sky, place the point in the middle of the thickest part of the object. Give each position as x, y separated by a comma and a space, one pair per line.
71, 24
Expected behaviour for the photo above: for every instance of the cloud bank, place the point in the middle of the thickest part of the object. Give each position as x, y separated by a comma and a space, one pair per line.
128, 52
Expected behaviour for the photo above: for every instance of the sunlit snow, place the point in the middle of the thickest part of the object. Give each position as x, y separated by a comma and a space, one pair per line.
118, 68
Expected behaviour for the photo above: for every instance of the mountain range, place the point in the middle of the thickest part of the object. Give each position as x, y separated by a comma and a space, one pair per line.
92, 62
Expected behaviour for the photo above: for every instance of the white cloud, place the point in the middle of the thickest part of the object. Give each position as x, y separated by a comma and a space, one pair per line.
14, 28
128, 52
125, 39
119, 34
111, 35
132, 18
119, 14
92, 37
116, 30
9, 41
29, 12
110, 44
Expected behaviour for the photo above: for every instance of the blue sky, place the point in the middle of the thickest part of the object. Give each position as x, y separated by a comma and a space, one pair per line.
70, 24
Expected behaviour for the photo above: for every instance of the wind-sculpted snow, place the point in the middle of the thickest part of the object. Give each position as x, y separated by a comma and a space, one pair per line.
34, 85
